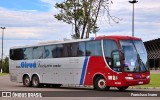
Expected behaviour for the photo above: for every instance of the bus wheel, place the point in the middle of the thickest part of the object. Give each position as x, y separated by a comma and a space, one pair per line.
35, 81
26, 81
122, 88
100, 84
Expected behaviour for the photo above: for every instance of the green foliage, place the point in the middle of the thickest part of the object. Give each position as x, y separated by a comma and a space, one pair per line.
5, 66
2, 74
82, 14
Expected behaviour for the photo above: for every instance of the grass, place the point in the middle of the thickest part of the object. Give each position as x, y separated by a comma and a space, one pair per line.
2, 74
154, 82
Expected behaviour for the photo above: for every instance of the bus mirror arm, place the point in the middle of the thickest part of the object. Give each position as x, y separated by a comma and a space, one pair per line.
123, 57
122, 54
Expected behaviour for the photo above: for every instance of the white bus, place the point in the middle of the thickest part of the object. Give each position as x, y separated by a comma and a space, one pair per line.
102, 62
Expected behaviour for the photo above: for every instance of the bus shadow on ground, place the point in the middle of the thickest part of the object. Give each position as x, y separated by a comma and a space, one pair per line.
80, 88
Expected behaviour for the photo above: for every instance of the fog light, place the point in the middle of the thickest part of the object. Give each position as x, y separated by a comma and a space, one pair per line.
148, 77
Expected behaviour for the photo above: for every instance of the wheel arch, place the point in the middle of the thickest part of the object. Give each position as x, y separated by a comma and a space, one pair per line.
37, 75
98, 78
26, 74
97, 75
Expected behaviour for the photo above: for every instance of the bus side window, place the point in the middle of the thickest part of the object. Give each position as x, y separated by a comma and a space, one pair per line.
54, 51
81, 49
59, 51
38, 52
93, 48
28, 53
16, 54
66, 50
77, 49
112, 58
50, 51
74, 49
11, 53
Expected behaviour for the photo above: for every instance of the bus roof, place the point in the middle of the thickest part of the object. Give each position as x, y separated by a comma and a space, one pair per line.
78, 40
117, 37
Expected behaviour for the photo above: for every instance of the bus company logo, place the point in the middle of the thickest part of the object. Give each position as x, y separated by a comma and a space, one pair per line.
27, 65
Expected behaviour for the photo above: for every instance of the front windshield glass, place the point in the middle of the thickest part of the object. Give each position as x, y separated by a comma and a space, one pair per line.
135, 56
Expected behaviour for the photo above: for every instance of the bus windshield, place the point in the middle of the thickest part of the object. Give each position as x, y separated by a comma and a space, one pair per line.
135, 56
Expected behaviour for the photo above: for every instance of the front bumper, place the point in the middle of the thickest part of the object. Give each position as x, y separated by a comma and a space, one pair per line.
136, 82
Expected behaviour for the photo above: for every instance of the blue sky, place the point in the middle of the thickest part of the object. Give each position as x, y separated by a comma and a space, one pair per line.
32, 21
33, 5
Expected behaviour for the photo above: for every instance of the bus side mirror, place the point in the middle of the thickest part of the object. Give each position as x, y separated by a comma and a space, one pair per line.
116, 58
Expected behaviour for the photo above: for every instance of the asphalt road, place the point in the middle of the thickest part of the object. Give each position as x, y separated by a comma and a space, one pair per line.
79, 93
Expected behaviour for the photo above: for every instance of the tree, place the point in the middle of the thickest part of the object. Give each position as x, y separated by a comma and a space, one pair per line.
83, 15
5, 66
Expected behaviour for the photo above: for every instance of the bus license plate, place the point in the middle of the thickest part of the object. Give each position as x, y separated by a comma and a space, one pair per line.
140, 82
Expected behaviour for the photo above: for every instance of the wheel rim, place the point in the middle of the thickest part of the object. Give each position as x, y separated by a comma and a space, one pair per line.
102, 83
35, 81
26, 81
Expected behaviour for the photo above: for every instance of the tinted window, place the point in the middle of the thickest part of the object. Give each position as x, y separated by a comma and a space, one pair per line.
66, 50
16, 54
27, 53
112, 55
38, 52
93, 48
77, 49
109, 46
81, 50
56, 51
50, 51
59, 50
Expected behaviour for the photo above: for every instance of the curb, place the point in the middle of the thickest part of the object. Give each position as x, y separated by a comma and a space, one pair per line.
144, 87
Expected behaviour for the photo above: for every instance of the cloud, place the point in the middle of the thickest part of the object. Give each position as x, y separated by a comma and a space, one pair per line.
29, 27
147, 20
29, 24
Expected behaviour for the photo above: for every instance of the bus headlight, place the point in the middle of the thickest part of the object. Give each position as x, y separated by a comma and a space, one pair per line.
129, 78
148, 77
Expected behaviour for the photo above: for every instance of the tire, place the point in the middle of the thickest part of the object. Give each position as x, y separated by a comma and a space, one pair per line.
122, 88
35, 81
26, 81
100, 84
